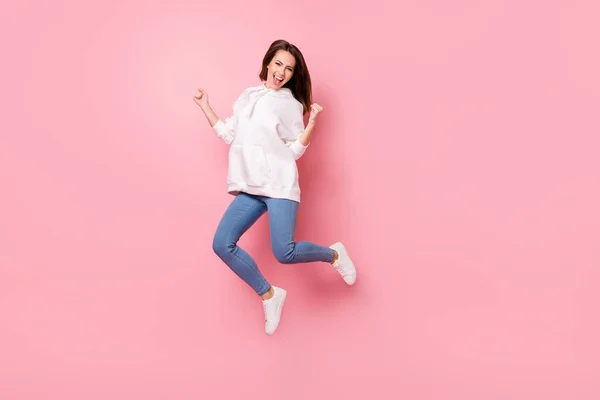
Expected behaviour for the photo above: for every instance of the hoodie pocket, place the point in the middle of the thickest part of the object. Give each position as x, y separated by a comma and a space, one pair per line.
248, 165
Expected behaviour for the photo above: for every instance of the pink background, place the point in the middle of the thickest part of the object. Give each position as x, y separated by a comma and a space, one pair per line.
457, 159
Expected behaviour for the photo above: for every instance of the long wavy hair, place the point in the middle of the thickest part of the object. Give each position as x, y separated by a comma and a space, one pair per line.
300, 83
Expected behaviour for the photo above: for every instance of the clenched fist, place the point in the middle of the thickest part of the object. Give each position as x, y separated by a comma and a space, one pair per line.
201, 98
315, 110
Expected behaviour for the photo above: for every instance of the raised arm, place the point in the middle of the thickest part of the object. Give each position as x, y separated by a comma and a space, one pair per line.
305, 136
224, 130
304, 133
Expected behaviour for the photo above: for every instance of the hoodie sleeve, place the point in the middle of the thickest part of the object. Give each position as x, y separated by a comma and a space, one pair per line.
290, 129
226, 130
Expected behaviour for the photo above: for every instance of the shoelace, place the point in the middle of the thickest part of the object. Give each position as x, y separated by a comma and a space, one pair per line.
338, 267
265, 311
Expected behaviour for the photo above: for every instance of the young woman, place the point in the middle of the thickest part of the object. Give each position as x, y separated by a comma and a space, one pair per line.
267, 135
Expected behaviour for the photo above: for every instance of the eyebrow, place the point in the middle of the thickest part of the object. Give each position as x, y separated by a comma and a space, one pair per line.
291, 66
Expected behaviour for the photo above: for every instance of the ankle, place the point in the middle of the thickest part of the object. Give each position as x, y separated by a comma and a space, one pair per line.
268, 294
335, 257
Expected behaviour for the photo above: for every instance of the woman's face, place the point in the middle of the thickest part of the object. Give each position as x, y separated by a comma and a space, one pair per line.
280, 69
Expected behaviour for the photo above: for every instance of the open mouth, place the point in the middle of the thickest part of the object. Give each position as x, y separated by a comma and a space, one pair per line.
277, 79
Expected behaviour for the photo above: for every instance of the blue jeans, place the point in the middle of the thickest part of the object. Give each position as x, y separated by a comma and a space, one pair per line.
241, 214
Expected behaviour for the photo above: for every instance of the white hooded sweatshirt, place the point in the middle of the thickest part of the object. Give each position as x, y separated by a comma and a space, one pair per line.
264, 136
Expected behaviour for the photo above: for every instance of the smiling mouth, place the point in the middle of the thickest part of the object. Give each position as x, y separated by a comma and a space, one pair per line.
277, 79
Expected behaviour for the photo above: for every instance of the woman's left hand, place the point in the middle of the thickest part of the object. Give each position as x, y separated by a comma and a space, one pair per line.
315, 110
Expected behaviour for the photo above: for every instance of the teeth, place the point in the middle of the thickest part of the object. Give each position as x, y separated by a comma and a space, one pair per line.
278, 78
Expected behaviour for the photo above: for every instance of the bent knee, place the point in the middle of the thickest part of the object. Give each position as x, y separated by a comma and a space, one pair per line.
221, 246
284, 254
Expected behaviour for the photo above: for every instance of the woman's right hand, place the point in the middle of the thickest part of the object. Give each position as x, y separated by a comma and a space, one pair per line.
201, 98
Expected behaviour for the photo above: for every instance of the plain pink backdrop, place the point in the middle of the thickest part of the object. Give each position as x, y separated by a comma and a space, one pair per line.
457, 159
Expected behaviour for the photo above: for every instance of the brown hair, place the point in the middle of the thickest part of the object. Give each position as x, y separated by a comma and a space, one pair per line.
300, 83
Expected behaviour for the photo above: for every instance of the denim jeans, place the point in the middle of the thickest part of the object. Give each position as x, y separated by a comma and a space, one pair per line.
241, 214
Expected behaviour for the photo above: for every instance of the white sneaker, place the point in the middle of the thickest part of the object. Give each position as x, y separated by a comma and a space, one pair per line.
272, 308
344, 264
